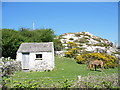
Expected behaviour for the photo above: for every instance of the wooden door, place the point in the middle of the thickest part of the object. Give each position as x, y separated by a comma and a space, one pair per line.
25, 60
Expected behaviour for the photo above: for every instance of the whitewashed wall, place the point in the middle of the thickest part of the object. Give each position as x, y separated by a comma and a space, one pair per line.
47, 62
19, 58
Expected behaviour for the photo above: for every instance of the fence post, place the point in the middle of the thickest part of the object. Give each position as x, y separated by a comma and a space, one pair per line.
79, 78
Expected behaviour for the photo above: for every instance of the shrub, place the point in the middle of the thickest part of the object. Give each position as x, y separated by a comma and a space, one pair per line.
57, 45
87, 35
68, 54
83, 40
80, 45
24, 84
101, 44
9, 66
109, 61
71, 53
77, 34
71, 45
90, 81
71, 39
97, 39
76, 41
97, 81
66, 84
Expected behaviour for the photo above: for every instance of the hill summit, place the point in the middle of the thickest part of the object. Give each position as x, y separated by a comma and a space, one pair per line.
87, 42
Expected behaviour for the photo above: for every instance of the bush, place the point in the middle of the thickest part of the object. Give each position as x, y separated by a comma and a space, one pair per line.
77, 34
9, 66
109, 61
97, 39
71, 39
90, 81
71, 45
57, 45
88, 35
101, 44
68, 54
71, 53
97, 81
83, 40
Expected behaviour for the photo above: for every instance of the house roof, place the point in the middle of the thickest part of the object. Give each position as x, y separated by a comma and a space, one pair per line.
36, 47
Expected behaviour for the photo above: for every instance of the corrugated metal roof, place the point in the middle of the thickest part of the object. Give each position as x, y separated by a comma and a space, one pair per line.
35, 47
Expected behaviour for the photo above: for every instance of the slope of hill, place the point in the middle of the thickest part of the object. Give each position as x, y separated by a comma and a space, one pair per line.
88, 42
66, 72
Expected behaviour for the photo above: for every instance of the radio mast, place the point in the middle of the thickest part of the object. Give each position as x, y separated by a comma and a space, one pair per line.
33, 26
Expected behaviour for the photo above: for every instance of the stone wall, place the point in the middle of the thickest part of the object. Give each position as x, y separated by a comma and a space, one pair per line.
9, 66
60, 53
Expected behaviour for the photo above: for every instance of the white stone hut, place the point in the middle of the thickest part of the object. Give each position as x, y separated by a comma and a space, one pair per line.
36, 56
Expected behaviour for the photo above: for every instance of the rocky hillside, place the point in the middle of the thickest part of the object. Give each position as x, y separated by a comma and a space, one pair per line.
87, 42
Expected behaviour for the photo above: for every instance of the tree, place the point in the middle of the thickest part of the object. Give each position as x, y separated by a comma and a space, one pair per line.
12, 39
46, 35
57, 45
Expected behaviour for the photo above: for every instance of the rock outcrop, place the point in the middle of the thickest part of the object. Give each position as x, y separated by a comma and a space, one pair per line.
88, 42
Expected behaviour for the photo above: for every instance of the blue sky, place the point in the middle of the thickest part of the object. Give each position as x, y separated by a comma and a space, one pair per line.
98, 18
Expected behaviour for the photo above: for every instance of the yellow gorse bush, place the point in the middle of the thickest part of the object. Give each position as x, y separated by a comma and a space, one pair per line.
71, 44
71, 52
109, 61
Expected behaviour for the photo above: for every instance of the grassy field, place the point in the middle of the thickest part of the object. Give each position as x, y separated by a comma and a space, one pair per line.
65, 68
65, 74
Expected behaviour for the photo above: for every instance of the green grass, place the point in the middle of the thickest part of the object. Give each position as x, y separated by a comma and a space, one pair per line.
65, 68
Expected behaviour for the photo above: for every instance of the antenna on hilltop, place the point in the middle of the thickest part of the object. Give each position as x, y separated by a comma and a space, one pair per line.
33, 26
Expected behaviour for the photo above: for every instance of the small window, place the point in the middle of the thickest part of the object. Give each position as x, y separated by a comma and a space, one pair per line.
39, 56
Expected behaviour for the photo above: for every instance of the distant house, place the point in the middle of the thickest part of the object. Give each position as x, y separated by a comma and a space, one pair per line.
36, 56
